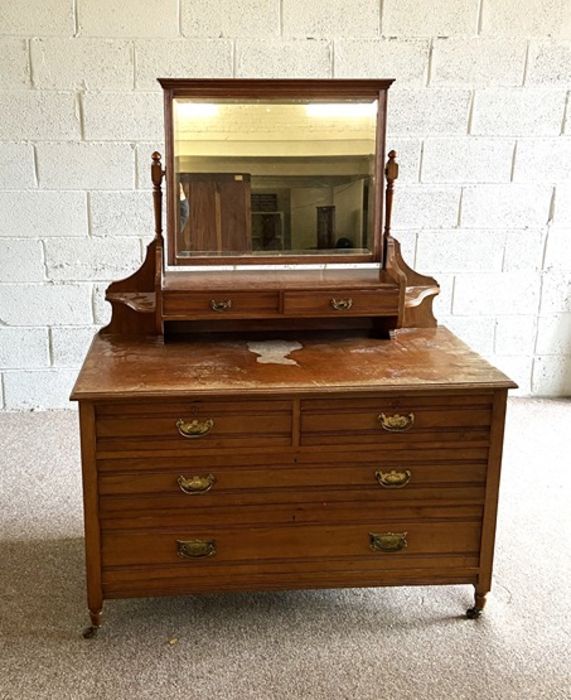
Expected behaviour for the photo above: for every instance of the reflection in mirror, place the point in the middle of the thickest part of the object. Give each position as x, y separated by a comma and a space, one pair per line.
273, 177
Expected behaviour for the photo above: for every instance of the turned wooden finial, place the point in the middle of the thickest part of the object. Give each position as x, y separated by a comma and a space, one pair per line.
157, 174
391, 173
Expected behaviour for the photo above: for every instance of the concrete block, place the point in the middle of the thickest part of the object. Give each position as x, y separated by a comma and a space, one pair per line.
121, 214
516, 367
407, 240
92, 258
86, 64
21, 260
45, 304
410, 17
26, 390
518, 112
114, 116
543, 160
22, 348
175, 58
14, 64
460, 251
428, 112
143, 152
227, 18
552, 375
555, 292
94, 166
478, 61
45, 17
558, 249
30, 115
403, 59
554, 335
129, 18
422, 206
43, 214
562, 212
524, 249
442, 304
515, 334
101, 308
505, 206
467, 159
70, 345
526, 18
408, 157
549, 63
476, 332
327, 18
505, 293
21, 173
283, 59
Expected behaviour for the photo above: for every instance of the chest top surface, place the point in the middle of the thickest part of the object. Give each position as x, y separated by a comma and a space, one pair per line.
430, 358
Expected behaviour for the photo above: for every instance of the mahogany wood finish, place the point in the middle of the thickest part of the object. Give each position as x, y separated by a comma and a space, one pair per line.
215, 460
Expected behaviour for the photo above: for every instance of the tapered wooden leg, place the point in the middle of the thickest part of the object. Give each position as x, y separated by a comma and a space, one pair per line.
95, 617
479, 604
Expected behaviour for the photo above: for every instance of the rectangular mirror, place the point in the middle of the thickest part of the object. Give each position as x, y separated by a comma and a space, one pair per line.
274, 178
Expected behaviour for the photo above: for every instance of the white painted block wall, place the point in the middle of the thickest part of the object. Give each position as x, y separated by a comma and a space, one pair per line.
480, 115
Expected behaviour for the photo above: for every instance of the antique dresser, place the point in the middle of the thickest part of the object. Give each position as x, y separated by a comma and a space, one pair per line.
273, 405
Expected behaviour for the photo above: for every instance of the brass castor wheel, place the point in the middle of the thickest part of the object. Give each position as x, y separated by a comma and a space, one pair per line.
473, 613
90, 632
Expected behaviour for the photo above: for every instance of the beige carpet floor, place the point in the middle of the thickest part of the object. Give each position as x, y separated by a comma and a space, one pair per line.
370, 644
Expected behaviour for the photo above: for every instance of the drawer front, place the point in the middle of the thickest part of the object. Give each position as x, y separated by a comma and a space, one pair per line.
344, 302
410, 421
189, 427
206, 547
457, 506
191, 494
139, 581
219, 304
217, 481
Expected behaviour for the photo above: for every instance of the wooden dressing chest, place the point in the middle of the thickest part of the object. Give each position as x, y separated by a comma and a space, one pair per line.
263, 429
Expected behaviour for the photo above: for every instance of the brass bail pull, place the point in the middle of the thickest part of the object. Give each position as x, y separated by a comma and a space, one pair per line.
393, 479
224, 305
387, 541
396, 423
341, 304
195, 549
196, 484
194, 428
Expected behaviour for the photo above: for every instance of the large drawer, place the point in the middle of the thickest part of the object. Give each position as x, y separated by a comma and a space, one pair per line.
387, 421
188, 427
207, 547
173, 579
189, 490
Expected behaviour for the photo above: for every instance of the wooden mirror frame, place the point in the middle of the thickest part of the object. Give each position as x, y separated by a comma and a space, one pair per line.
272, 89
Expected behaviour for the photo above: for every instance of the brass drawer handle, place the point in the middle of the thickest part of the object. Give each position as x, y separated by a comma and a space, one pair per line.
224, 305
396, 423
387, 541
393, 479
195, 549
341, 304
194, 428
196, 484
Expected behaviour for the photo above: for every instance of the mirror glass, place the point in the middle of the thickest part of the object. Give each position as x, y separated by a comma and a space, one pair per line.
273, 177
